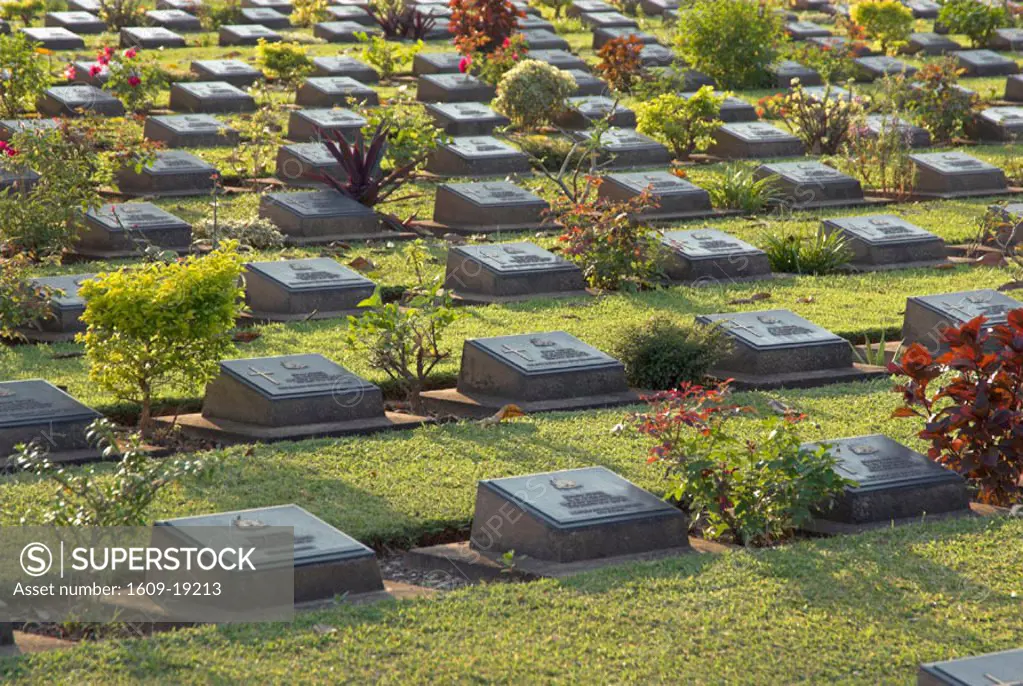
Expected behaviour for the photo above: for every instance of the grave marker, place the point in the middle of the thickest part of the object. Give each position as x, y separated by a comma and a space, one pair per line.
675, 198
71, 101
999, 124
82, 23
927, 316
487, 206
210, 97
435, 63
931, 44
754, 140
477, 156
345, 66
1008, 40
918, 137
54, 38
342, 31
956, 175
562, 59
466, 118
310, 125
785, 71
583, 110
335, 91
984, 63
508, 272
173, 172
887, 240
190, 131
175, 20
116, 230
709, 256
875, 67
805, 185
150, 38
234, 72
303, 164
66, 308
35, 408
982, 670
247, 34
541, 39
626, 148
299, 290
265, 16
804, 30
320, 217
10, 127
453, 88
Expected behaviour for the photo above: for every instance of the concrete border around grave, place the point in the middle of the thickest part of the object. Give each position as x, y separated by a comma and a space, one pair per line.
470, 229
916, 195
830, 528
803, 379
460, 298
450, 401
228, 432
260, 317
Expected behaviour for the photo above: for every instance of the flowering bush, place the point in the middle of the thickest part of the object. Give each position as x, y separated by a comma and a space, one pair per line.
483, 25
879, 160
974, 419
821, 122
942, 107
613, 251
755, 486
684, 125
834, 63
620, 64
533, 93
133, 79
26, 76
492, 66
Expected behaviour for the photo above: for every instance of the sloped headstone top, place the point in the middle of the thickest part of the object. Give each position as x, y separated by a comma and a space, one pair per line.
544, 353
318, 204
310, 274
294, 376
703, 244
882, 229
877, 461
142, 216
515, 258
65, 289
36, 401
963, 306
992, 669
951, 163
771, 329
494, 194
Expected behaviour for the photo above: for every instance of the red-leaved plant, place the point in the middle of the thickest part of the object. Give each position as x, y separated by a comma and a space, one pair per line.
974, 419
483, 25
364, 179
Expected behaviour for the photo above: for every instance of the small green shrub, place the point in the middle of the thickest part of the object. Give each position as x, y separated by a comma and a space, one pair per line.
308, 12
160, 325
736, 187
822, 122
533, 93
887, 21
256, 234
26, 75
216, 13
387, 57
879, 160
660, 355
754, 485
941, 106
733, 41
684, 125
287, 62
793, 254
21, 302
412, 134
976, 20
25, 10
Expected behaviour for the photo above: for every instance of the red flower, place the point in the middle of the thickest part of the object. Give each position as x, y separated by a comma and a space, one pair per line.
95, 70
6, 150
506, 43
70, 73
130, 53
464, 64
104, 56
134, 81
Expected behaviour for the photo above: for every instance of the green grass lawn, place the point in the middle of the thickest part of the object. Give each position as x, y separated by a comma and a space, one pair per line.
863, 609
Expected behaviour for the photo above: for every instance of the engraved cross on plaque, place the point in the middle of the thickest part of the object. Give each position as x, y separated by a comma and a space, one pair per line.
508, 350
732, 324
269, 376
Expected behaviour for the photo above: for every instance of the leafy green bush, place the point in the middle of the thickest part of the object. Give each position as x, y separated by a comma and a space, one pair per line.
736, 187
733, 41
879, 160
887, 21
287, 62
160, 325
661, 355
755, 486
21, 302
412, 134
26, 76
793, 254
533, 93
309, 12
939, 103
684, 125
216, 13
85, 498
976, 20
387, 57
822, 122
25, 10
133, 79
256, 233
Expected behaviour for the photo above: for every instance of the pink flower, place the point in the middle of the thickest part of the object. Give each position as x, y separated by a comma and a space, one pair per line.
130, 53
105, 55
506, 43
515, 55
6, 150
464, 64
70, 73
95, 70
134, 81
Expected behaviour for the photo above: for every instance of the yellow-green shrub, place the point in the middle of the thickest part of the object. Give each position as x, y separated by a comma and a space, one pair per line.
533, 93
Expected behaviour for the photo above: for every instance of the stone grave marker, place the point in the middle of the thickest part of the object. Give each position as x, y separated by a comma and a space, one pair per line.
583, 110
453, 88
545, 371
778, 348
652, 55
150, 38
841, 43
675, 198
289, 397
927, 316
918, 137
91, 73
265, 16
931, 44
803, 30
530, 22
588, 84
739, 140
825, 93
247, 34
66, 308
319, 217
956, 175
345, 66
507, 272
71, 101
210, 97
299, 290
1014, 88
573, 515
351, 13
189, 131
81, 23
626, 148
892, 482
710, 256
657, 8
282, 6
477, 156
805, 185
175, 20
191, 6
886, 240
173, 172
327, 561
487, 206
982, 670
303, 164
604, 35
1011, 231
999, 124
1008, 40
871, 68
234, 72
541, 39
33, 408
341, 31
732, 109
923, 9
310, 125
10, 127
612, 19
114, 230
435, 63
581, 7
54, 38
335, 91
984, 63
561, 59
17, 178
90, 6
785, 71
466, 118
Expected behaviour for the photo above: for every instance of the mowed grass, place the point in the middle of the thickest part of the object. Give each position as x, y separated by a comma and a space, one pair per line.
854, 610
